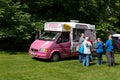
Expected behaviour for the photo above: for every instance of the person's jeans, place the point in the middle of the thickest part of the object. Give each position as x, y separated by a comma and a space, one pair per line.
86, 59
90, 57
80, 57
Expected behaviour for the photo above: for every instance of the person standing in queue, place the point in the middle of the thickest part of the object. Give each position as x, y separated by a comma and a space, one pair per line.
81, 40
91, 58
110, 51
87, 52
99, 50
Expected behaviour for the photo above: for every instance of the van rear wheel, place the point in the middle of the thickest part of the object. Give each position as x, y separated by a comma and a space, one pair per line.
55, 57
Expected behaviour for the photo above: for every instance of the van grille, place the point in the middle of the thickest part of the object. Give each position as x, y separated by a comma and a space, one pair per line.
35, 50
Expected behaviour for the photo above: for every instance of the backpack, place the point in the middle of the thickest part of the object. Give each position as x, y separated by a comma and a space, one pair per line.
81, 49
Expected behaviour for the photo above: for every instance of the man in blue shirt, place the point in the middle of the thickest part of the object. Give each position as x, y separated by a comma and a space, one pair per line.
110, 51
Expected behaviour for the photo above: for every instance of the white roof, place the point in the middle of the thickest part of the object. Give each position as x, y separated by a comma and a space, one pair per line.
116, 35
66, 26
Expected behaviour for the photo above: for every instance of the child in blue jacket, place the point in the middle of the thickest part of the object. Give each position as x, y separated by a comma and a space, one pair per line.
99, 51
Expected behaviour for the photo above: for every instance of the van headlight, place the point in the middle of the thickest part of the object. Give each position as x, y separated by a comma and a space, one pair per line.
43, 50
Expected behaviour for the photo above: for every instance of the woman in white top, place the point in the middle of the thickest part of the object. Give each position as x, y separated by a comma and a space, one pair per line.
87, 52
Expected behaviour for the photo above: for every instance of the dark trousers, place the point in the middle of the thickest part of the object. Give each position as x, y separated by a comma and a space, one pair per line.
110, 58
99, 56
91, 57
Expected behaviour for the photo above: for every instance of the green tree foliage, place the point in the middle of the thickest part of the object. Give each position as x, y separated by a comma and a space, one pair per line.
19, 19
16, 25
110, 18
13, 21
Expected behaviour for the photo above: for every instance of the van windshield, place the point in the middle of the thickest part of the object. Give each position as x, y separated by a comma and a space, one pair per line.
48, 35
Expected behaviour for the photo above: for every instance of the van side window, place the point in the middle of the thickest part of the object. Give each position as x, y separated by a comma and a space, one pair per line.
76, 34
64, 37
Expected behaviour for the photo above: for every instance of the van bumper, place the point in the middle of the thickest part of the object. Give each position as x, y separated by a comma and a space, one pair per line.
41, 55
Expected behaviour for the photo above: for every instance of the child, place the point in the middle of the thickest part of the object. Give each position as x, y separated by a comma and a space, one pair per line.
99, 51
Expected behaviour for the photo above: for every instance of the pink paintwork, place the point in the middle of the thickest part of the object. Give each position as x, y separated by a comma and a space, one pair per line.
119, 43
63, 44
37, 44
40, 44
63, 49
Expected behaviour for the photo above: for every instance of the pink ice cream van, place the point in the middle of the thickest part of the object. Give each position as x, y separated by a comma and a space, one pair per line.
60, 40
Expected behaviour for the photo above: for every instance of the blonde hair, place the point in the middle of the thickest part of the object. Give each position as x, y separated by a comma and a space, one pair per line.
99, 39
87, 38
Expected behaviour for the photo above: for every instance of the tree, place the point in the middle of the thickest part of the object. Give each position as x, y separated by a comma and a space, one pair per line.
19, 19
110, 21
14, 22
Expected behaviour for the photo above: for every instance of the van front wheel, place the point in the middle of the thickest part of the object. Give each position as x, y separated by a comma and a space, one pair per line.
55, 57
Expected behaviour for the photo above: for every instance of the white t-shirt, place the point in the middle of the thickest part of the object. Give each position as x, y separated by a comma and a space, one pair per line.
87, 46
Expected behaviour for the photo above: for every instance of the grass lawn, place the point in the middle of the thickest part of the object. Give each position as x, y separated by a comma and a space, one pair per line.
20, 66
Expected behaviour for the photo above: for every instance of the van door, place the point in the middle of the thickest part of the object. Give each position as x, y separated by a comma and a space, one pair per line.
63, 44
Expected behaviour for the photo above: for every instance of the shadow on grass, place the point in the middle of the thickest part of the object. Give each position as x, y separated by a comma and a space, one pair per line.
43, 60
70, 58
116, 64
93, 62
48, 60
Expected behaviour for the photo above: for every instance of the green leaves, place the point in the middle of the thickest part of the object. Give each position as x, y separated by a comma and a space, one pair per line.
14, 21
19, 19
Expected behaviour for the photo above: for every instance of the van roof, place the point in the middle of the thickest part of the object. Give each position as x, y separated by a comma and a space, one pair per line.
116, 35
66, 26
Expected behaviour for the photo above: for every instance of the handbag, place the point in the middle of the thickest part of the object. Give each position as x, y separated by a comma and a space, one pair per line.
81, 49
